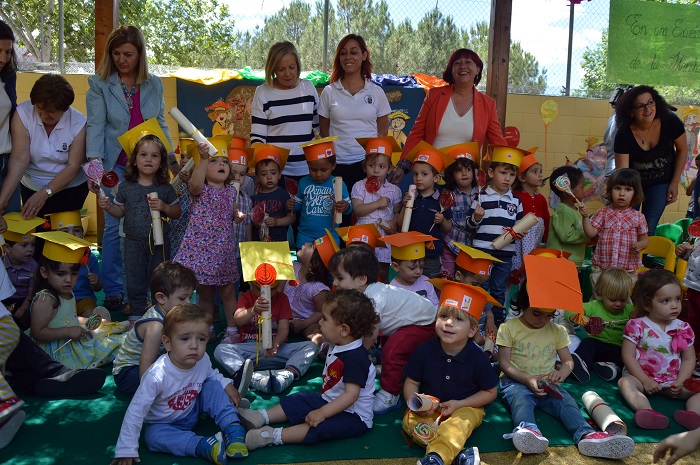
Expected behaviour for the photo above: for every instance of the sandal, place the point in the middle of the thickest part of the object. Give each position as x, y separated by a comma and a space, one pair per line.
113, 303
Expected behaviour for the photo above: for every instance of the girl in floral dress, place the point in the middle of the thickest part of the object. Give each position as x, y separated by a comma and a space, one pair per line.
658, 352
208, 247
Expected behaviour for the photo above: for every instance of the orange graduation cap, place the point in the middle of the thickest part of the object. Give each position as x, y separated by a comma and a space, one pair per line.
367, 233
474, 260
552, 284
19, 229
327, 247
385, 145
62, 247
423, 152
408, 245
461, 296
268, 152
468, 150
238, 153
547, 252
528, 160
504, 154
319, 149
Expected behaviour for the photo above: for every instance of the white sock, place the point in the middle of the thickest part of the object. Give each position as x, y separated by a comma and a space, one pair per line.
277, 437
265, 416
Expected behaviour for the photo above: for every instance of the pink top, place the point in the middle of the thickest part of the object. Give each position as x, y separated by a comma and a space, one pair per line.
359, 191
618, 230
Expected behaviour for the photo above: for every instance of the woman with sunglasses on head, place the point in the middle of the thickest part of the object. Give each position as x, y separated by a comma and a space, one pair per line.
651, 139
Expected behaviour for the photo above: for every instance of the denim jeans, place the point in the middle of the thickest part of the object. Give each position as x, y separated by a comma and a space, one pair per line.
298, 355
496, 285
522, 402
112, 261
654, 204
177, 438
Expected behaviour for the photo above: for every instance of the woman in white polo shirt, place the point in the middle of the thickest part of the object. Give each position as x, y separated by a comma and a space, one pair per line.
48, 148
352, 106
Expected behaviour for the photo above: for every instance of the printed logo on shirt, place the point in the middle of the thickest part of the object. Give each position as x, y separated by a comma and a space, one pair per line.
511, 209
64, 148
318, 200
369, 99
333, 375
182, 401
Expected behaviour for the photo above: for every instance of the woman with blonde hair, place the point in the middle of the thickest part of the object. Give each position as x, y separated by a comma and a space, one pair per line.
122, 95
285, 108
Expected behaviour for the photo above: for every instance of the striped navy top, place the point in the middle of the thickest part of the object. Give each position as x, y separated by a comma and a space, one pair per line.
501, 210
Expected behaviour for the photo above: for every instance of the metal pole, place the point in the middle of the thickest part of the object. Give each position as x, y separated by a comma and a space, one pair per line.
571, 46
41, 38
326, 7
61, 38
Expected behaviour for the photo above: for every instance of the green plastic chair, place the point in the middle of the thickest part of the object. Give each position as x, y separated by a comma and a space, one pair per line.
671, 231
684, 223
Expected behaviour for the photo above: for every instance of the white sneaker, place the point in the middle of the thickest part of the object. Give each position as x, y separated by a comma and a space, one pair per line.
606, 370
385, 402
246, 376
528, 441
260, 381
280, 380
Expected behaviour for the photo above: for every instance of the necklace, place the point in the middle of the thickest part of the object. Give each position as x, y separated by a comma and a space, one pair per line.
644, 138
128, 94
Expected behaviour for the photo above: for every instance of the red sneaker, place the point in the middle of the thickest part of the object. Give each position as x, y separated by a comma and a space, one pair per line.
10, 406
606, 445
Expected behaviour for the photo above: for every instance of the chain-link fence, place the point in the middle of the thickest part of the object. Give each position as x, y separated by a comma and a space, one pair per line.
556, 48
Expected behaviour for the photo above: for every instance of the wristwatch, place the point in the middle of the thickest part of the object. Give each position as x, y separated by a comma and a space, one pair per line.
48, 190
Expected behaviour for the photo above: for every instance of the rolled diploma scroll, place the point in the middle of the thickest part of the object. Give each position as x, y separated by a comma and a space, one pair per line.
266, 293
602, 414
423, 403
237, 186
177, 180
409, 209
338, 191
189, 129
521, 226
157, 225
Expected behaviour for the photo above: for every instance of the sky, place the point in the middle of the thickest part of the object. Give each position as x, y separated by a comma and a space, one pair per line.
541, 26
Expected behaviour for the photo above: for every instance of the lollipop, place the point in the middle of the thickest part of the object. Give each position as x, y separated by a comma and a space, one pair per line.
595, 325
694, 229
447, 199
692, 384
480, 181
110, 179
257, 214
94, 170
579, 319
93, 322
372, 184
292, 188
425, 432
563, 183
265, 276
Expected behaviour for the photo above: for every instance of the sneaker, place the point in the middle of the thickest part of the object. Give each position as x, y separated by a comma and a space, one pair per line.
257, 438
9, 406
687, 419
650, 419
72, 383
234, 439
580, 370
385, 402
231, 337
246, 375
606, 370
212, 449
468, 457
10, 428
251, 419
527, 440
260, 381
244, 403
212, 335
606, 445
280, 380
431, 459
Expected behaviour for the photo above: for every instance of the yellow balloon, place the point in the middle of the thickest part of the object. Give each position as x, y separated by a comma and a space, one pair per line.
549, 111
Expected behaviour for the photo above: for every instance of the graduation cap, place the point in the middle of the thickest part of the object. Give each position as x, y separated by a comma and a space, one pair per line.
19, 229
326, 247
423, 152
65, 219
471, 299
319, 149
473, 260
408, 245
552, 284
62, 247
268, 152
130, 138
367, 233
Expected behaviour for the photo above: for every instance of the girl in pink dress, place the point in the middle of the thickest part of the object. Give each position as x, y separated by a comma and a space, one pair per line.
658, 352
208, 247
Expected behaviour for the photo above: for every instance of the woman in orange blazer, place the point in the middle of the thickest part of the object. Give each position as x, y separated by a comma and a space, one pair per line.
457, 112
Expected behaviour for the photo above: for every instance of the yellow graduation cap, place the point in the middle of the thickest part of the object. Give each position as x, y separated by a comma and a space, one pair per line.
552, 284
386, 145
474, 260
19, 229
130, 138
326, 247
276, 254
190, 148
471, 299
319, 149
504, 154
221, 143
408, 245
423, 152
268, 152
238, 153
367, 233
62, 247
468, 150
65, 219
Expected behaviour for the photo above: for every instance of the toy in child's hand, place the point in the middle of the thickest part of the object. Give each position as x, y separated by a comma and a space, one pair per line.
292, 188
694, 229
425, 432
548, 389
93, 322
692, 384
480, 181
563, 183
257, 214
372, 184
595, 325
110, 179
447, 200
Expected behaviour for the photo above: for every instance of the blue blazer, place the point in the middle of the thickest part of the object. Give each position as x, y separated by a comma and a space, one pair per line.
108, 114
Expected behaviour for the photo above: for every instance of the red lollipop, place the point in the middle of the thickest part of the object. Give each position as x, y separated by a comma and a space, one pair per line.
265, 274
257, 214
110, 179
292, 188
372, 184
447, 199
512, 136
694, 229
692, 384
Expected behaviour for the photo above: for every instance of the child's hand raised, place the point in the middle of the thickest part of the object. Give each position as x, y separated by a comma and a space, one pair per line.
479, 212
583, 210
185, 176
203, 150
314, 418
104, 202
